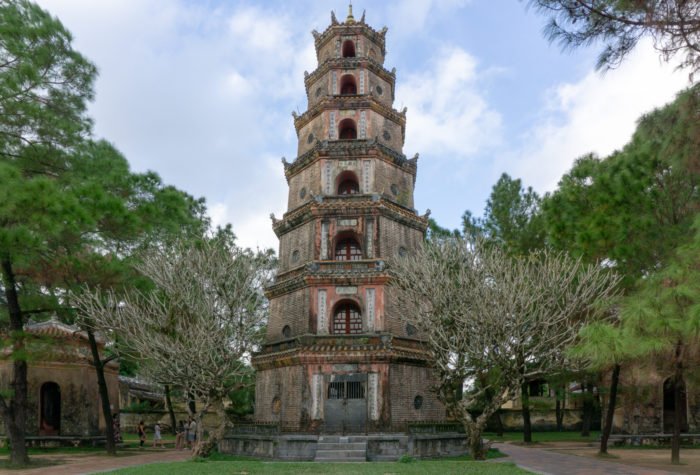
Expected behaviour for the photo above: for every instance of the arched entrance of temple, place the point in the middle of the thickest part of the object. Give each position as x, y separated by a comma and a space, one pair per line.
670, 407
345, 409
50, 410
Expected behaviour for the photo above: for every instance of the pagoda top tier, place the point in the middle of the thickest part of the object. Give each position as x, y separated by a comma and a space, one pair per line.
346, 30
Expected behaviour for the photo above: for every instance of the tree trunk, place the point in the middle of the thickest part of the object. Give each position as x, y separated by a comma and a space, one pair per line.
192, 407
610, 413
169, 404
587, 410
203, 448
525, 402
677, 402
476, 445
111, 446
15, 415
499, 423
560, 395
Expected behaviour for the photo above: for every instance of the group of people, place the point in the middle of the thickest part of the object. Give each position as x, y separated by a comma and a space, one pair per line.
185, 434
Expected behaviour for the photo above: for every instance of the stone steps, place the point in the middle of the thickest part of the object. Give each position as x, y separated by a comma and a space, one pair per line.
341, 449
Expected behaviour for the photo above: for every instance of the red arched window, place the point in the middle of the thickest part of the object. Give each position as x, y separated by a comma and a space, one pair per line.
348, 85
348, 187
348, 250
347, 129
348, 49
347, 320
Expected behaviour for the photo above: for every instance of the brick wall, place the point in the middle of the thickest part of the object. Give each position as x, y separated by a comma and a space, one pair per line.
289, 309
405, 383
289, 386
386, 175
300, 239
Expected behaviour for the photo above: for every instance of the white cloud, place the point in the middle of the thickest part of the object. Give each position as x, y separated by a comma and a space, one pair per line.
449, 115
596, 114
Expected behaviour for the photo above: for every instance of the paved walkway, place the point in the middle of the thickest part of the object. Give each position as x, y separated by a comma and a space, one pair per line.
546, 462
77, 464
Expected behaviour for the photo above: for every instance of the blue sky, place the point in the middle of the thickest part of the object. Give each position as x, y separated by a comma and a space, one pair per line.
202, 93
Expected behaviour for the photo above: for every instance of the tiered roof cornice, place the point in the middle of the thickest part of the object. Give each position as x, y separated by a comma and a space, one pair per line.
364, 272
316, 349
344, 149
349, 63
350, 101
350, 27
334, 206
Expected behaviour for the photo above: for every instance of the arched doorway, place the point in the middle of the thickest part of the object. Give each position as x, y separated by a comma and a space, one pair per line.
670, 407
348, 249
347, 129
348, 49
347, 319
347, 84
50, 409
347, 183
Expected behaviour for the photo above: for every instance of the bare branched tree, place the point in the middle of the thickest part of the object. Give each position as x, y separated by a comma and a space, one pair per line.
492, 321
673, 25
196, 329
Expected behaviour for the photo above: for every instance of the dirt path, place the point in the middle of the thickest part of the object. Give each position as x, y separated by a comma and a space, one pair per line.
74, 464
573, 459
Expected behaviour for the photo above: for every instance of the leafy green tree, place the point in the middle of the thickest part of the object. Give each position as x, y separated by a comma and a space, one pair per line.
435, 231
674, 26
663, 315
630, 210
511, 219
44, 86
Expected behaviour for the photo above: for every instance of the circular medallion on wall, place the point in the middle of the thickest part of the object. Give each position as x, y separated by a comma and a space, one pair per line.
380, 91
276, 405
302, 193
286, 331
394, 189
386, 135
411, 330
418, 401
310, 139
402, 251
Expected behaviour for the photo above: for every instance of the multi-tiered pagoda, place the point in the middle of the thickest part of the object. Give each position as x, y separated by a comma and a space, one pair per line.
337, 356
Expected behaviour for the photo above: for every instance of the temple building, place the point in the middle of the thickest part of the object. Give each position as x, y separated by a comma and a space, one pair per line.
337, 357
63, 396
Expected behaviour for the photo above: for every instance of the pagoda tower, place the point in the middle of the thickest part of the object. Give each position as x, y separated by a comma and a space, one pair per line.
337, 357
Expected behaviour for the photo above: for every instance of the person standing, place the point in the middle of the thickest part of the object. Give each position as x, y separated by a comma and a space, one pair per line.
180, 436
141, 431
192, 434
157, 439
116, 429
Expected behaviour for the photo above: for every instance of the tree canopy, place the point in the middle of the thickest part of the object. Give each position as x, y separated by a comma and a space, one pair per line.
673, 26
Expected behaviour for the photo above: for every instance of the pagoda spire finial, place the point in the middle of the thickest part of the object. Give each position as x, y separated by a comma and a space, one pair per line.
350, 18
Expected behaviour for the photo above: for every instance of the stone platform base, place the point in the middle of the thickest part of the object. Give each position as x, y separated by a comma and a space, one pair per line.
380, 447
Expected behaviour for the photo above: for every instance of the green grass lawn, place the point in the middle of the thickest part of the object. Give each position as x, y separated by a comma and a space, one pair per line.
253, 467
544, 437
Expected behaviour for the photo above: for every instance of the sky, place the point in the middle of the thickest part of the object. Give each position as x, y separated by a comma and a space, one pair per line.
201, 92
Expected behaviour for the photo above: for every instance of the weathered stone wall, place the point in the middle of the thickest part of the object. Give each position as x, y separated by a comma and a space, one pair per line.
406, 383
81, 413
364, 47
394, 183
640, 408
393, 236
282, 395
297, 247
290, 309
303, 185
